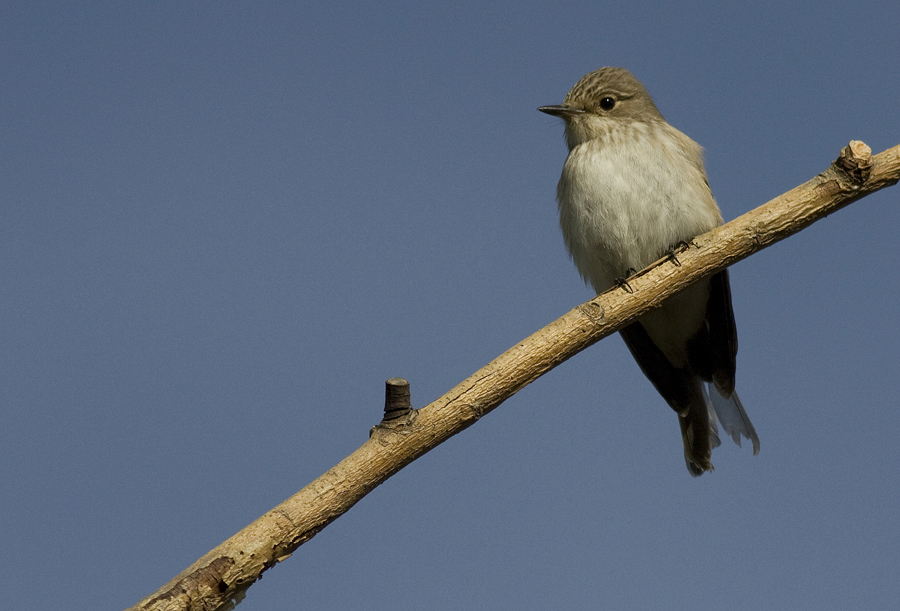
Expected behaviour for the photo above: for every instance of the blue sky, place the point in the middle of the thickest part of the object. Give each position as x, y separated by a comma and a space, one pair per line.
224, 225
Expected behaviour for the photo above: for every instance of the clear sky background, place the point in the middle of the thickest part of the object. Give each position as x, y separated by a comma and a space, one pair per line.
225, 224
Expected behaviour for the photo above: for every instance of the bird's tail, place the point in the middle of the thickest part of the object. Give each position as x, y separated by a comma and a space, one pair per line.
731, 414
699, 432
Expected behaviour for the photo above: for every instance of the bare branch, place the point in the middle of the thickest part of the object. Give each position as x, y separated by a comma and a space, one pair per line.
224, 574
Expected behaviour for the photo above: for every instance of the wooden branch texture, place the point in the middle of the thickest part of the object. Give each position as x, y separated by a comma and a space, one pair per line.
223, 575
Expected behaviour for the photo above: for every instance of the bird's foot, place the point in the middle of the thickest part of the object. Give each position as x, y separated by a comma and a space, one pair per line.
672, 255
622, 281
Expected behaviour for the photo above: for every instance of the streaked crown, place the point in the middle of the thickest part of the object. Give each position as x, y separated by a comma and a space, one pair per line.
613, 91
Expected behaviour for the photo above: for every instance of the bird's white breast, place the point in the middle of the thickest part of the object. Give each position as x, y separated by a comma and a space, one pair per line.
627, 198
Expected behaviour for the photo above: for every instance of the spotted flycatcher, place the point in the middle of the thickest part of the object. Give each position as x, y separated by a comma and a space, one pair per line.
632, 188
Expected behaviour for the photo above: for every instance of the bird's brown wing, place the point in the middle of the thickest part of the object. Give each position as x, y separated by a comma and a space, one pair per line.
683, 391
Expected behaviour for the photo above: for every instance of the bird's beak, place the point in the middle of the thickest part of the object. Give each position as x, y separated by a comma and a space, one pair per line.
564, 112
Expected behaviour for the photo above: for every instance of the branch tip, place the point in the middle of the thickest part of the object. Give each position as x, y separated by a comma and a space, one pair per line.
856, 160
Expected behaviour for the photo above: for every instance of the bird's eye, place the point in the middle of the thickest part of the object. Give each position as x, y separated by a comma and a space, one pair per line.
607, 103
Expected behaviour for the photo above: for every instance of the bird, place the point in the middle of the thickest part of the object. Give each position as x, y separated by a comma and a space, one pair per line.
632, 189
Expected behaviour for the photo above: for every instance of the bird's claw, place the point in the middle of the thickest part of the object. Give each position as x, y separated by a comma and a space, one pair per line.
622, 281
672, 255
